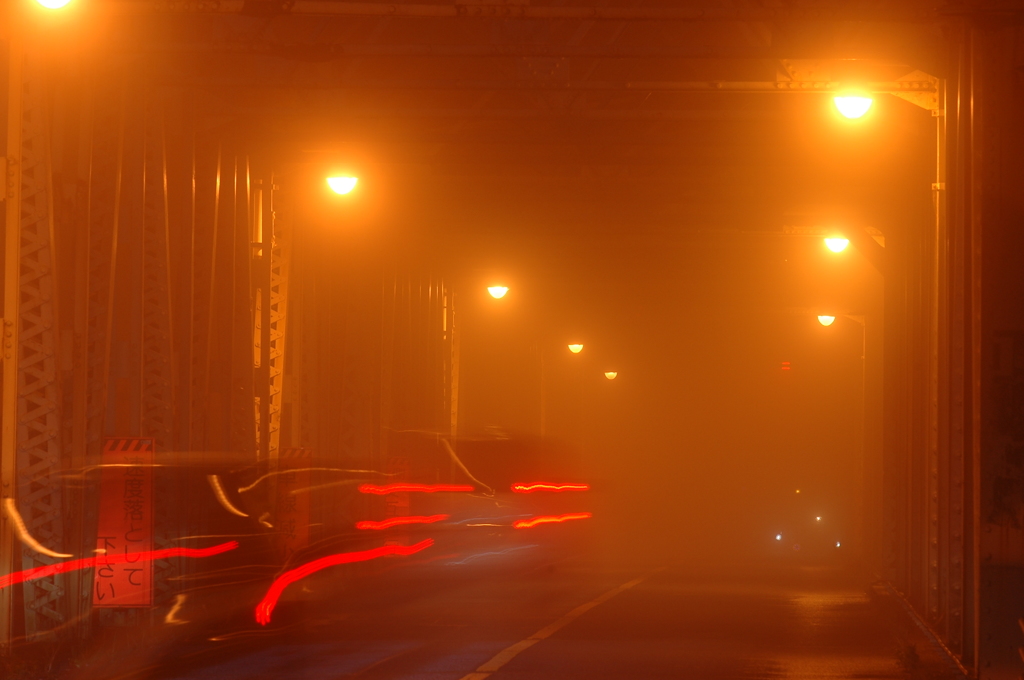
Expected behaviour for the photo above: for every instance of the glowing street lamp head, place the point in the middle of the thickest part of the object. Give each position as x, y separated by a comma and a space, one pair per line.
611, 375
837, 244
826, 320
576, 348
53, 4
341, 185
497, 292
853, 106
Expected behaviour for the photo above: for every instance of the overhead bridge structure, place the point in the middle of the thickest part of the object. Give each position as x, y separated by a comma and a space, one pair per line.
169, 275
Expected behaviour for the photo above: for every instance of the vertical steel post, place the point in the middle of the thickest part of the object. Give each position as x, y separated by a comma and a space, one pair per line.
973, 321
454, 337
934, 524
951, 479
12, 255
243, 431
39, 461
272, 303
263, 236
280, 269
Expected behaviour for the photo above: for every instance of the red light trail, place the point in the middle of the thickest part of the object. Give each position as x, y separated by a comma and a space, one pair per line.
549, 519
269, 601
543, 486
398, 521
104, 560
421, 488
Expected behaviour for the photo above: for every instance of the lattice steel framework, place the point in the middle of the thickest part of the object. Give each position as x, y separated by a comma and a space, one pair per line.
12, 243
158, 365
104, 204
207, 174
280, 265
157, 360
39, 450
273, 253
244, 428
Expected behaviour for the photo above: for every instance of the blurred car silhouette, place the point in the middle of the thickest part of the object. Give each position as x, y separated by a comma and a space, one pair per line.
446, 508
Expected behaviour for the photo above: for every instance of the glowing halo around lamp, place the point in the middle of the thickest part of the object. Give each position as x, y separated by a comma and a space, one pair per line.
853, 106
497, 292
53, 4
575, 348
837, 244
611, 375
342, 185
826, 320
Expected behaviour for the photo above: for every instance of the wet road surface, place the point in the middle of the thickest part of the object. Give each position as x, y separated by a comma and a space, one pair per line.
575, 621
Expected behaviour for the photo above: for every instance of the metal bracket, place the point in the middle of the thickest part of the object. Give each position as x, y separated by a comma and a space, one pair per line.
926, 99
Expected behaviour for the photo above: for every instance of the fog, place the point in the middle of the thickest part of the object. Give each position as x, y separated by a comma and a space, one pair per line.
267, 426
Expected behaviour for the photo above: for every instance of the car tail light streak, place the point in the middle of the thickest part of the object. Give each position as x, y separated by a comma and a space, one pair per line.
544, 486
549, 519
399, 521
105, 560
385, 489
269, 601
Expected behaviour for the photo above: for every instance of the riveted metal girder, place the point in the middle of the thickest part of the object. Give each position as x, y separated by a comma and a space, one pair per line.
273, 263
12, 243
158, 364
520, 9
31, 418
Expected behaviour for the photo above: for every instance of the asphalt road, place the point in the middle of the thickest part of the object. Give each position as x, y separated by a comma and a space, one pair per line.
577, 620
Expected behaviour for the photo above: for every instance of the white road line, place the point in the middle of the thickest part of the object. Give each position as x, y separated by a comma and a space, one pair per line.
509, 653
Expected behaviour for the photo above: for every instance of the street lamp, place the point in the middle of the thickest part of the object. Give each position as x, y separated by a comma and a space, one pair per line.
837, 244
497, 292
853, 106
611, 375
339, 185
53, 4
826, 320
576, 348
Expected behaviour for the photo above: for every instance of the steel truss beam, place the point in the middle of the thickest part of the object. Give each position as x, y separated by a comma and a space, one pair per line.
521, 10
12, 242
158, 361
243, 428
32, 423
316, 52
273, 254
896, 87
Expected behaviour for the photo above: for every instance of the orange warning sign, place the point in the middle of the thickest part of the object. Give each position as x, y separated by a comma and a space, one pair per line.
125, 524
